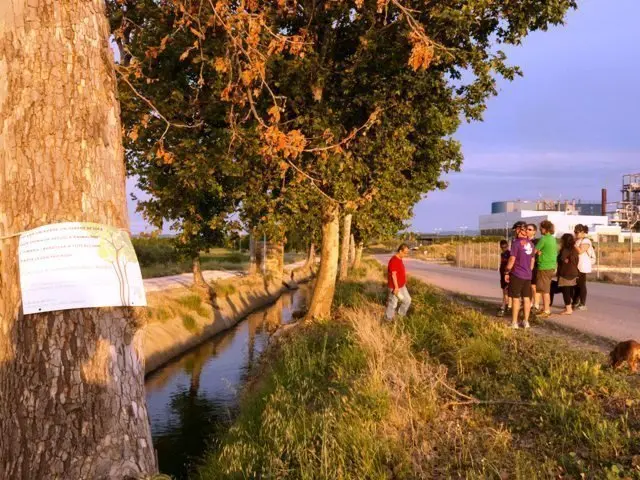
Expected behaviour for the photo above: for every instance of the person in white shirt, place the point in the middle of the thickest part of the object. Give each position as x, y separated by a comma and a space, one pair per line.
585, 263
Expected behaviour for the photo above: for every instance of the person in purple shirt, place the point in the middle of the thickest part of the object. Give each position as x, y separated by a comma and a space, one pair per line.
519, 272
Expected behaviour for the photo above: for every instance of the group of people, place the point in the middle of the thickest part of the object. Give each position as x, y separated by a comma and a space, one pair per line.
535, 269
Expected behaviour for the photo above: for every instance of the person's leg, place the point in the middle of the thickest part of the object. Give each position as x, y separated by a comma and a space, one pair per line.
527, 309
533, 296
544, 289
515, 310
392, 303
567, 297
582, 282
575, 296
405, 303
546, 301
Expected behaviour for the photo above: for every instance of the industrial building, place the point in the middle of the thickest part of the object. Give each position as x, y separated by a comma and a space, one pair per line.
565, 215
626, 213
581, 208
617, 220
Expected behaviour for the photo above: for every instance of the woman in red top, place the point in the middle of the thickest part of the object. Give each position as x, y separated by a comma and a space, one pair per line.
397, 283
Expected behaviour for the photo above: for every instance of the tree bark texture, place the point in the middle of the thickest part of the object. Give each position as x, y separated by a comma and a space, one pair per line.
253, 262
344, 254
352, 250
259, 253
198, 278
358, 255
72, 400
311, 255
322, 298
275, 261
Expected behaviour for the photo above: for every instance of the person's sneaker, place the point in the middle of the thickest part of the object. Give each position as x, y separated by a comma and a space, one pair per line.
500, 312
575, 305
543, 315
581, 308
526, 325
515, 326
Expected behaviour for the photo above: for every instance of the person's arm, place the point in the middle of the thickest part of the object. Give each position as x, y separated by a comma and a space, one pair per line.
394, 278
584, 246
540, 245
533, 262
510, 264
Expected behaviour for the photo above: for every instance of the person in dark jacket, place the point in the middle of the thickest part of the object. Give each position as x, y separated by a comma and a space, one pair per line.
567, 271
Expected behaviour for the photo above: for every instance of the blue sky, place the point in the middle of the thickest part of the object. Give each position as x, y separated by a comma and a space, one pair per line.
566, 129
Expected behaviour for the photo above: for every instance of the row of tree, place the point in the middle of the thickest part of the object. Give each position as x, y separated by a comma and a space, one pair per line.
284, 115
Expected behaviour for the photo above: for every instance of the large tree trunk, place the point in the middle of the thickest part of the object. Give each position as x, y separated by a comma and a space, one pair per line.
311, 255
253, 261
260, 256
275, 262
358, 255
72, 400
352, 250
325, 287
344, 254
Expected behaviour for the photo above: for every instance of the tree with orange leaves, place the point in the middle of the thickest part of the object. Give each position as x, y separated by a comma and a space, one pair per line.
319, 88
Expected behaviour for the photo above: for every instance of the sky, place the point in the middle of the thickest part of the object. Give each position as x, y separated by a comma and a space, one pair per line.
569, 127
565, 130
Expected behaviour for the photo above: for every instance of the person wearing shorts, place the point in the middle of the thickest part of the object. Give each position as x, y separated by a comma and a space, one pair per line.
546, 262
532, 229
518, 273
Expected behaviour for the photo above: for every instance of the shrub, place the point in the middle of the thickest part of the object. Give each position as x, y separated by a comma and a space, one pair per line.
152, 251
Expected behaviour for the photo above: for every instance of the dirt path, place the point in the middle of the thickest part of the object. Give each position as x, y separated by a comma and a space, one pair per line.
186, 279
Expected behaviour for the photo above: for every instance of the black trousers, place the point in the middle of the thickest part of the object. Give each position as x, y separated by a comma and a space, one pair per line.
567, 294
580, 293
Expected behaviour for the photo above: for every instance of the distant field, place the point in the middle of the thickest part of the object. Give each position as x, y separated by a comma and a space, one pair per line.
158, 258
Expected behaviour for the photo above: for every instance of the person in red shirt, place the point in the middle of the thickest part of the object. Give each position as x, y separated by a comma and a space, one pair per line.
397, 283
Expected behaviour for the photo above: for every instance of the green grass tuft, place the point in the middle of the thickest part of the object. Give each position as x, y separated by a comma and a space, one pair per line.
193, 303
189, 323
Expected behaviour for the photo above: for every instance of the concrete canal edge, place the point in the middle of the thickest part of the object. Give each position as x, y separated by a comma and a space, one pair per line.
177, 323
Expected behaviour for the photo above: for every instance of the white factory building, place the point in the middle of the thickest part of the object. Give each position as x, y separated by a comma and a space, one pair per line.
564, 215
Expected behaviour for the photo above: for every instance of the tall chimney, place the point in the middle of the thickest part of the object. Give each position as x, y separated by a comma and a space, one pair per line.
604, 202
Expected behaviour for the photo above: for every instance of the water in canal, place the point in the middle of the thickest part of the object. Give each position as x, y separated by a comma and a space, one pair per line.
192, 399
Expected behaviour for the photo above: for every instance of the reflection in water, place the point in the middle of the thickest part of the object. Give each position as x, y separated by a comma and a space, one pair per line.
192, 400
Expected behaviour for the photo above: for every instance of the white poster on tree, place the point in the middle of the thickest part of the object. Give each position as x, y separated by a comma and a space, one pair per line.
78, 265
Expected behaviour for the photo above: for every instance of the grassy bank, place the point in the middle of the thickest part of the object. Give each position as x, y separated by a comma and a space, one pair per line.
444, 393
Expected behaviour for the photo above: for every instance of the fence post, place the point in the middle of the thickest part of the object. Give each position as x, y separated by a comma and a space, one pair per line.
598, 260
458, 256
631, 258
473, 255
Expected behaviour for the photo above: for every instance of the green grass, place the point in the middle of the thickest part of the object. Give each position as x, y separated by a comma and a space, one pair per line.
193, 303
224, 289
315, 416
189, 323
446, 392
586, 415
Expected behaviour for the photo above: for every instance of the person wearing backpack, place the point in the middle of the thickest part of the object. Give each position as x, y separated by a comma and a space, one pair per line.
586, 258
